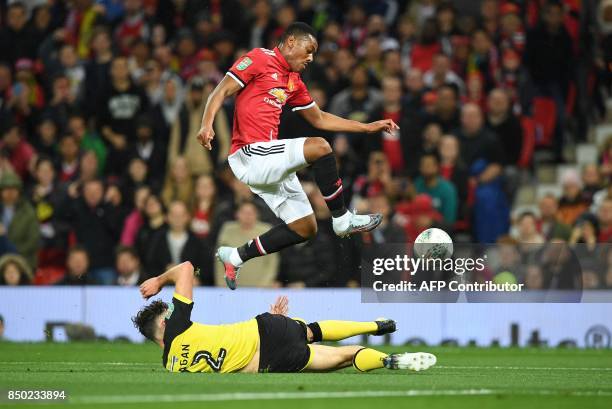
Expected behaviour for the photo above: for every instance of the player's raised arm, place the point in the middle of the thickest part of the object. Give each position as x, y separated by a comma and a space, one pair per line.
330, 122
224, 89
182, 277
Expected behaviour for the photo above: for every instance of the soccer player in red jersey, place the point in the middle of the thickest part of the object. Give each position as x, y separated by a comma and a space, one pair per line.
265, 80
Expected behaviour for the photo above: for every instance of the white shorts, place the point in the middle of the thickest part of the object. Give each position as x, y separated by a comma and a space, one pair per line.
268, 168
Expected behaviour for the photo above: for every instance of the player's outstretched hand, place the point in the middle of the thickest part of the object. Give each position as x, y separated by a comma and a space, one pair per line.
386, 125
205, 137
150, 287
281, 306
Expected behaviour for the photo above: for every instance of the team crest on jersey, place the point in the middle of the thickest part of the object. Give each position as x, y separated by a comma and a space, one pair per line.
244, 64
290, 85
279, 94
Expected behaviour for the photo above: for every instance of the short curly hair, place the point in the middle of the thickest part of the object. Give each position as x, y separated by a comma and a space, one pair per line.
145, 318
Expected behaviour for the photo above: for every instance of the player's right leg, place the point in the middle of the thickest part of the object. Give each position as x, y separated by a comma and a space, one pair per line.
318, 153
327, 358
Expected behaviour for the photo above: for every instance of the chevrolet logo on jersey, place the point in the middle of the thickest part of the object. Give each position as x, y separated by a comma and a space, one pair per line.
279, 94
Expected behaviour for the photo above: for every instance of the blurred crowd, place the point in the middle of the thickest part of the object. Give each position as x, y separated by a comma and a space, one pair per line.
103, 181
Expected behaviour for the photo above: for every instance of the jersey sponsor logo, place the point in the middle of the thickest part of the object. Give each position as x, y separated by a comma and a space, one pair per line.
244, 64
279, 94
215, 364
267, 51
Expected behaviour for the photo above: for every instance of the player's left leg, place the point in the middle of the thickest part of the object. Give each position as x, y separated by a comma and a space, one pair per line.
334, 330
327, 358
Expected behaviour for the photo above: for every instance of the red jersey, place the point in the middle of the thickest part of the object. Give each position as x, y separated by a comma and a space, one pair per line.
268, 84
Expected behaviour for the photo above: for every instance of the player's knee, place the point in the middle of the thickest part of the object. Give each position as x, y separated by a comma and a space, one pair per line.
320, 146
187, 265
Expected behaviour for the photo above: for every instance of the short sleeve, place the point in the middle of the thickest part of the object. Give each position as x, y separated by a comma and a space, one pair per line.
246, 68
178, 317
300, 99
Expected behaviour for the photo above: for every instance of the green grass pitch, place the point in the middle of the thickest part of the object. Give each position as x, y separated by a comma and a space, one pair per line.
114, 375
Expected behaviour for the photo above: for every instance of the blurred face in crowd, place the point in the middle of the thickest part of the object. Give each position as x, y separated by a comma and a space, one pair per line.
11, 138
16, 17
140, 197
68, 56
446, 102
153, 207
11, 274
376, 25
47, 131
372, 49
319, 96
144, 133
261, 9
534, 279
10, 196
61, 88
548, 208
344, 61
170, 90
42, 17
178, 216
553, 17
441, 65
449, 149
186, 47
119, 69
571, 190
205, 187
429, 167
489, 9
604, 213
132, 6
138, 170
359, 79
93, 192
88, 166
481, 42
101, 42
432, 135
498, 102
392, 63
414, 80
247, 215
299, 51
356, 15
527, 226
591, 176
378, 164
406, 27
196, 95
180, 170
77, 263
508, 255
127, 263
45, 172
69, 148
392, 90
76, 127
471, 119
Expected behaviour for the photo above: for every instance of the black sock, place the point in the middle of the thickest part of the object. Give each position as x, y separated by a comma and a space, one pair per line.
326, 176
317, 334
275, 239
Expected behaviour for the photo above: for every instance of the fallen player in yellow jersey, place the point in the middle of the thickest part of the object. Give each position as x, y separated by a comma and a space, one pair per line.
270, 342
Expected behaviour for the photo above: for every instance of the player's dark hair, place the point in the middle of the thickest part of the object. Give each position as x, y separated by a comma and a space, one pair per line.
145, 318
298, 29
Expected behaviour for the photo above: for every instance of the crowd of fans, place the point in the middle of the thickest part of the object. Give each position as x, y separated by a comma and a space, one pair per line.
103, 181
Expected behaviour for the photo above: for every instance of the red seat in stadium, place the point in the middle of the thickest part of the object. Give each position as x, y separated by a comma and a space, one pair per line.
529, 141
545, 118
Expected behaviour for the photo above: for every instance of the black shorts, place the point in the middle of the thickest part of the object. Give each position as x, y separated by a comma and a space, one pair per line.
283, 346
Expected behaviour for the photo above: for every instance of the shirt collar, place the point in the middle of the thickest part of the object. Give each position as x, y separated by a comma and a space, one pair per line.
282, 60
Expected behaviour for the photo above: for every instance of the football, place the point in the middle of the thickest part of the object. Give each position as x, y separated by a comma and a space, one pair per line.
433, 243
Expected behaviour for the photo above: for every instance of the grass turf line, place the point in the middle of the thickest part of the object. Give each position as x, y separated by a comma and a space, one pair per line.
96, 374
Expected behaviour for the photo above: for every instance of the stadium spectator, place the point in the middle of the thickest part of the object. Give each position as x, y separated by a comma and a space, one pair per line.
127, 264
176, 243
87, 139
446, 108
259, 272
97, 69
188, 123
572, 203
442, 192
377, 181
204, 223
509, 258
134, 221
154, 221
591, 181
14, 270
526, 233
68, 163
604, 218
15, 39
441, 74
150, 148
16, 148
46, 137
97, 221
77, 268
179, 182
121, 104
505, 125
549, 224
166, 111
18, 218
391, 108
453, 170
